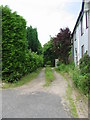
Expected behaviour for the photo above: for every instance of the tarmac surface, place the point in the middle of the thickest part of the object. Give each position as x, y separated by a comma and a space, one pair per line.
23, 102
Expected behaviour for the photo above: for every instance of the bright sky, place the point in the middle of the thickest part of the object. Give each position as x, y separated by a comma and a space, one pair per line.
48, 16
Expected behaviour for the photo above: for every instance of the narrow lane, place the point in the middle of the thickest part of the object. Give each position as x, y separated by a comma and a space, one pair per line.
32, 101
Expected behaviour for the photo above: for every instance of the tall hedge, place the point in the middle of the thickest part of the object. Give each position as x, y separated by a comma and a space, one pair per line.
33, 41
16, 59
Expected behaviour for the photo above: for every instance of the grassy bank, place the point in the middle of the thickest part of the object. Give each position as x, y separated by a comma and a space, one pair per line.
23, 81
71, 103
76, 81
80, 81
63, 70
49, 76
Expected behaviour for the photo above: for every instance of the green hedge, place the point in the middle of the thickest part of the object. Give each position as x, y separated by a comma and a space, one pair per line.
85, 64
33, 61
85, 71
16, 59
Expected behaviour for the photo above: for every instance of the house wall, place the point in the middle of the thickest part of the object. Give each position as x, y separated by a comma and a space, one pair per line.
89, 31
81, 39
75, 39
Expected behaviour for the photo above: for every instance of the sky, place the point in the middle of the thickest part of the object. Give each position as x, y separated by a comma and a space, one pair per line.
48, 16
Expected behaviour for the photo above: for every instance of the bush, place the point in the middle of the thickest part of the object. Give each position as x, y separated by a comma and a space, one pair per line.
13, 45
17, 60
48, 63
59, 63
85, 71
85, 64
65, 68
81, 80
61, 67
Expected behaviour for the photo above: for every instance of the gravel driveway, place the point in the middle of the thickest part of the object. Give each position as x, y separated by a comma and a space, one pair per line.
34, 101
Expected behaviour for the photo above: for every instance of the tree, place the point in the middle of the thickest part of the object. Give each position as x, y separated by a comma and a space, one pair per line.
33, 42
62, 44
48, 53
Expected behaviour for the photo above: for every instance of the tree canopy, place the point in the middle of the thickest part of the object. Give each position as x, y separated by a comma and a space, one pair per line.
62, 44
48, 52
33, 41
58, 47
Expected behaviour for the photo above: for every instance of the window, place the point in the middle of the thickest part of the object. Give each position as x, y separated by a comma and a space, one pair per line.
76, 57
82, 26
75, 36
86, 19
82, 50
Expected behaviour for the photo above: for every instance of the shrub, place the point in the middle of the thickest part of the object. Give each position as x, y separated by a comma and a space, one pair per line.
61, 67
85, 64
85, 71
59, 63
17, 60
13, 45
48, 63
65, 68
81, 80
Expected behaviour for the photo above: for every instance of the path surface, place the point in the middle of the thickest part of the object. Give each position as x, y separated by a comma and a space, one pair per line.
35, 101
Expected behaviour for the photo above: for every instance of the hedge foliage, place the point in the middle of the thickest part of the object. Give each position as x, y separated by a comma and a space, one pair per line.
17, 60
85, 70
80, 78
85, 64
33, 42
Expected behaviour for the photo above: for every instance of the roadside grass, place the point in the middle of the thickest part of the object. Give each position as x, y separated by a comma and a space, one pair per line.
81, 82
49, 76
71, 103
69, 89
24, 80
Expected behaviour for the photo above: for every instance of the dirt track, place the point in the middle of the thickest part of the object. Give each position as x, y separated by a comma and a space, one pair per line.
33, 100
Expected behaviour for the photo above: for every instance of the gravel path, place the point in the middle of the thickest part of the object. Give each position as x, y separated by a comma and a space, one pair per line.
35, 101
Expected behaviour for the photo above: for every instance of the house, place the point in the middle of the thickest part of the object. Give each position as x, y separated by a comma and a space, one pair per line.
81, 33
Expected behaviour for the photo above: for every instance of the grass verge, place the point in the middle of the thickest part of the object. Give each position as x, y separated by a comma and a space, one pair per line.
73, 109
71, 103
49, 76
24, 80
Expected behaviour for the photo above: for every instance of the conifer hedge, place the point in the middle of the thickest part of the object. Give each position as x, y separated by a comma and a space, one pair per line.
17, 60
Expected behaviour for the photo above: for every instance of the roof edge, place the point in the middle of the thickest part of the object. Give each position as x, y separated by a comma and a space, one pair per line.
78, 17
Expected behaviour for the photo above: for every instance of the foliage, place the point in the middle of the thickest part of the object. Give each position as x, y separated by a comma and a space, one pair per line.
17, 60
48, 53
81, 81
48, 63
65, 68
33, 42
85, 64
85, 71
24, 80
33, 61
13, 45
58, 47
49, 76
62, 45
